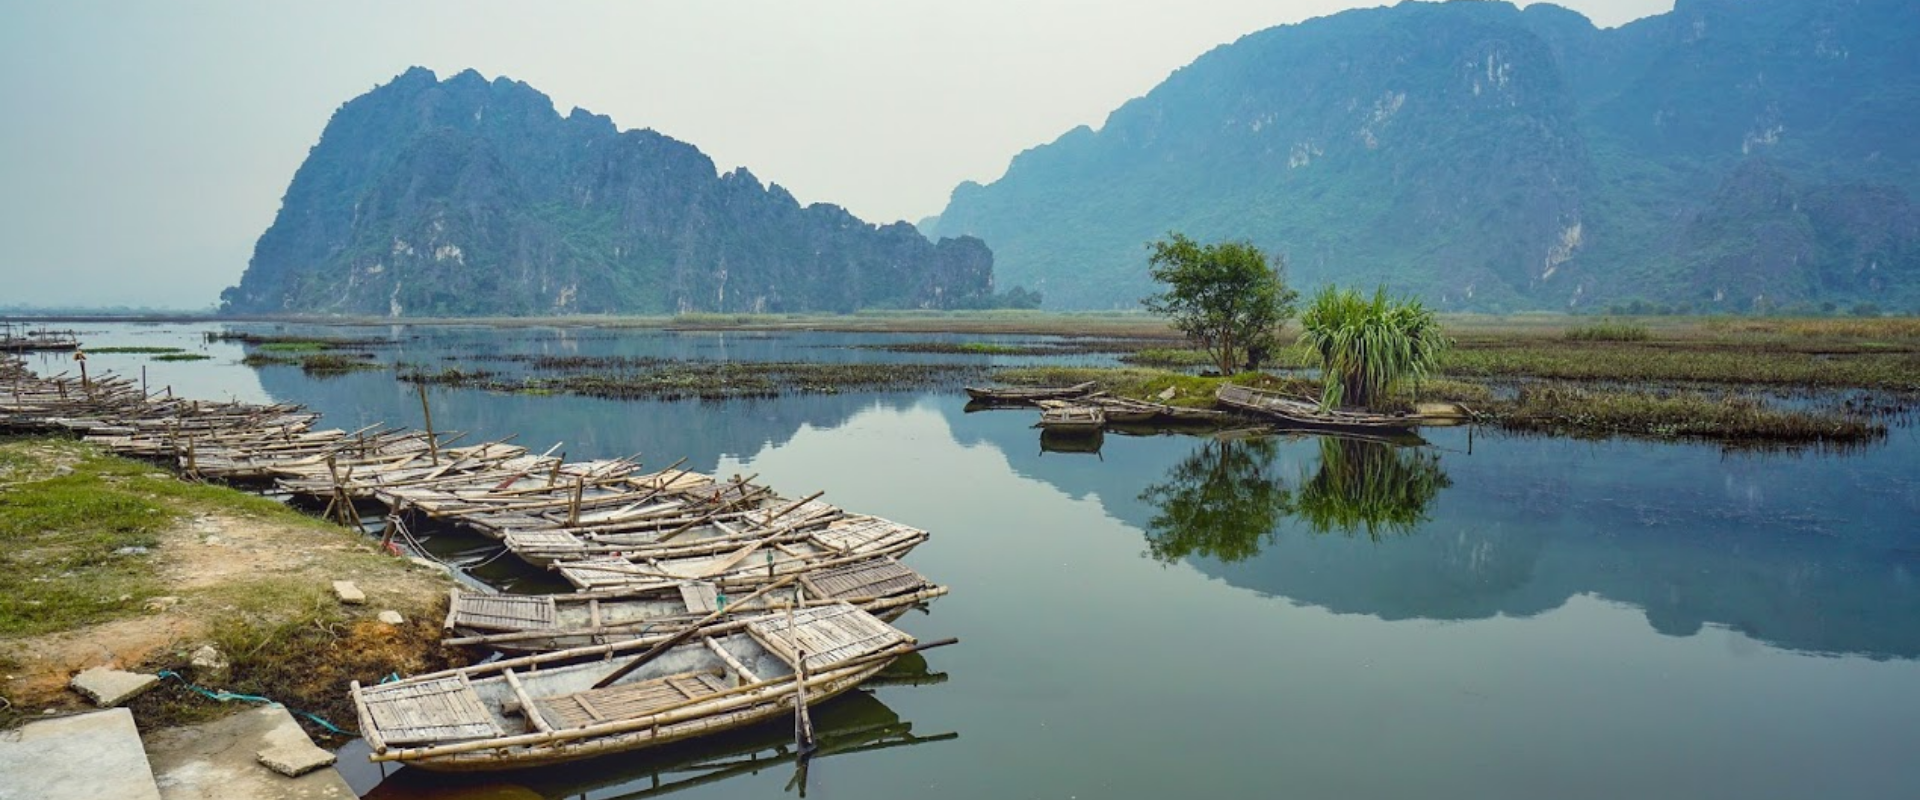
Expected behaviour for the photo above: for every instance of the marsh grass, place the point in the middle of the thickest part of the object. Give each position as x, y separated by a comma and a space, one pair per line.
1168, 357
182, 357
1563, 408
1608, 331
1709, 363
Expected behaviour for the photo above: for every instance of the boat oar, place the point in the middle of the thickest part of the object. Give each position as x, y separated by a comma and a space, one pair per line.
656, 650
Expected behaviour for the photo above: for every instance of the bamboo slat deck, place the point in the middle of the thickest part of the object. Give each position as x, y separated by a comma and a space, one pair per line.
501, 611
828, 635
581, 709
445, 709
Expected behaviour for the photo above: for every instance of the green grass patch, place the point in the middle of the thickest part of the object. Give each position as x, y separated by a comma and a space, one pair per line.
74, 547
182, 357
123, 349
326, 365
1168, 357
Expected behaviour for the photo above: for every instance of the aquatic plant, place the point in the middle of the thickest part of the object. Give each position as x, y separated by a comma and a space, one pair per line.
1365, 347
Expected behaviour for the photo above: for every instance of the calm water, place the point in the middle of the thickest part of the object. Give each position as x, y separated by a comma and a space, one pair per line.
1486, 616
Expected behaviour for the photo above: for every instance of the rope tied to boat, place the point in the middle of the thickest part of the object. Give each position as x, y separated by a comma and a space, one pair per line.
226, 696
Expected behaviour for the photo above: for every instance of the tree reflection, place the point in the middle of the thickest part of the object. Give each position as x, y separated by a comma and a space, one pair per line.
1224, 501
1369, 486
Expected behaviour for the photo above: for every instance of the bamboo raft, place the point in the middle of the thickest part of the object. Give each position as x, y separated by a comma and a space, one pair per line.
527, 711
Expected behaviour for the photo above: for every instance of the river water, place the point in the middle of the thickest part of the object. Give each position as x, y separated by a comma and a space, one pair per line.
1482, 616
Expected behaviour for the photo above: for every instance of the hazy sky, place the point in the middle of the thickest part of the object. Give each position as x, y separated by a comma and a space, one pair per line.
145, 146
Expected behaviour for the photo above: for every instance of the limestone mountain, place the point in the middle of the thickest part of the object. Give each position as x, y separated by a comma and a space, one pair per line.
473, 197
1730, 155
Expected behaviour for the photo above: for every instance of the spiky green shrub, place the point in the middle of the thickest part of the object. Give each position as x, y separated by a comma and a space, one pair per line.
1366, 347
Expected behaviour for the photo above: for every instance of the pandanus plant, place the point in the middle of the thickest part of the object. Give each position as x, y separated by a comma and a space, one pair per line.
1366, 347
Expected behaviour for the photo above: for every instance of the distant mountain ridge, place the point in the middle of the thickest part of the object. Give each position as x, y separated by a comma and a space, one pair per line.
474, 197
1728, 156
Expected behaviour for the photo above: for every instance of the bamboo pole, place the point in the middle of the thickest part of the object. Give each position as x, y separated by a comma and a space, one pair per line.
676, 639
426, 413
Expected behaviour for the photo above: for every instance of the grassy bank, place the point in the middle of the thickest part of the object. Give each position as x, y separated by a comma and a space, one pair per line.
108, 560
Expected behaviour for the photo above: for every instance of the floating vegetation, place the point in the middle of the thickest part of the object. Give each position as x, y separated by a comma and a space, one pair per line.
296, 344
665, 379
182, 357
322, 365
1562, 408
100, 351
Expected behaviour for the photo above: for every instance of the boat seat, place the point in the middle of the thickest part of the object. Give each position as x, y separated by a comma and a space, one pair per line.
442, 710
627, 701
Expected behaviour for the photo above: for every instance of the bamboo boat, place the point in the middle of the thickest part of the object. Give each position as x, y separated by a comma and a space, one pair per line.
1011, 395
757, 563
674, 533
883, 587
540, 710
1298, 413
1129, 410
1072, 418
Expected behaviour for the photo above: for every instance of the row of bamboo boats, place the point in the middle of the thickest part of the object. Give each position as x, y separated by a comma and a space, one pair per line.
702, 604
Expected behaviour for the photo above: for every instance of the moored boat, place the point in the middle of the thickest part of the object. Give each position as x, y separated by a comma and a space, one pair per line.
1296, 412
883, 587
1028, 394
1072, 418
553, 708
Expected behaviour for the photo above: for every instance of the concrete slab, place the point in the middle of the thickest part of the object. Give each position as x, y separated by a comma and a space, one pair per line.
81, 757
111, 687
218, 760
349, 593
287, 750
392, 617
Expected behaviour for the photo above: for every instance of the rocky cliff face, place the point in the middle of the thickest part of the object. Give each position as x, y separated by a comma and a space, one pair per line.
1727, 156
468, 197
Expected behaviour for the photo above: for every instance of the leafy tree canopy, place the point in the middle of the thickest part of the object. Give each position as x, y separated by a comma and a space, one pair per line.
1225, 297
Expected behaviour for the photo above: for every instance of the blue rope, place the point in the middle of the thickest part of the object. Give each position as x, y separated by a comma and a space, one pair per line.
224, 696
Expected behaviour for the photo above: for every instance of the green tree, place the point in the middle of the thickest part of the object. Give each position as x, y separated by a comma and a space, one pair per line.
1223, 296
1365, 347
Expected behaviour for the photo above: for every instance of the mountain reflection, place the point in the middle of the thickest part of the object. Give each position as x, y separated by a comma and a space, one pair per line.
1226, 499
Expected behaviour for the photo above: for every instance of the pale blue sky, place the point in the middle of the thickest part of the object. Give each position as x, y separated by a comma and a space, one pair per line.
145, 146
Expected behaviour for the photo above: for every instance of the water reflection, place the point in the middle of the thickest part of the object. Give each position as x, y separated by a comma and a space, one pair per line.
1371, 486
1220, 502
1227, 498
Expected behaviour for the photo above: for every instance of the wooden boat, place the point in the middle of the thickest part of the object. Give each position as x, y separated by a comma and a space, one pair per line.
1300, 413
757, 563
1129, 410
542, 709
883, 587
1027, 395
1072, 418
675, 533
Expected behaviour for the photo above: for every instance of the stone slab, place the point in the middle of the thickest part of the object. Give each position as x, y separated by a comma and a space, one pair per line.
287, 750
392, 617
349, 593
82, 757
219, 760
111, 687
